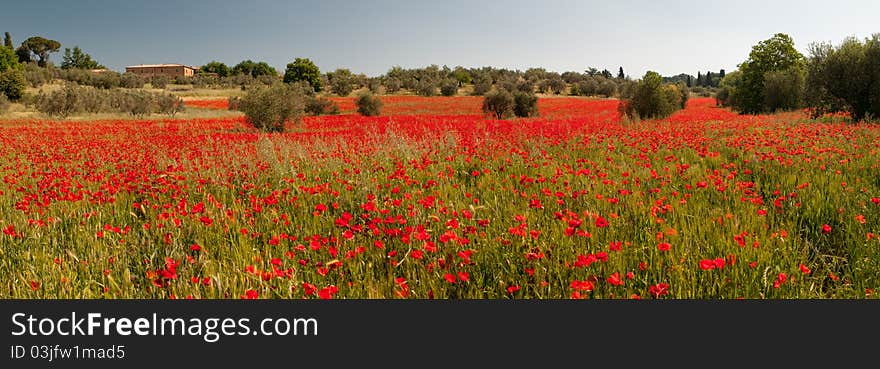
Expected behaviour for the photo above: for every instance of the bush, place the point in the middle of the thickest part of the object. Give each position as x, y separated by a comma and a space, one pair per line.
525, 104
481, 88
342, 82
131, 80
587, 87
607, 88
783, 90
169, 104
426, 88
36, 76
160, 81
12, 84
320, 105
845, 78
449, 88
392, 85
61, 103
374, 85
368, 105
525, 86
270, 108
650, 98
498, 104
136, 103
557, 85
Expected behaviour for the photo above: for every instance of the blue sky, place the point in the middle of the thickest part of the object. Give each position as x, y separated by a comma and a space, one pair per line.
369, 37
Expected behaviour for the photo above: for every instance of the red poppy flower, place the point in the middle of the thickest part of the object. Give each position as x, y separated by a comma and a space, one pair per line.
826, 229
663, 246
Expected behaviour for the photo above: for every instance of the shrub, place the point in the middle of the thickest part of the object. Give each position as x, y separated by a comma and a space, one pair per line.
587, 87
607, 88
650, 98
12, 84
557, 85
36, 76
498, 104
783, 90
481, 88
319, 105
61, 103
105, 80
449, 88
136, 103
342, 82
270, 108
169, 104
845, 78
392, 85
685, 93
368, 105
426, 88
374, 85
160, 81
525, 104
525, 86
131, 80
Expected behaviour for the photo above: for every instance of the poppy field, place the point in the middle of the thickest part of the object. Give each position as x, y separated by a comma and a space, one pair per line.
434, 200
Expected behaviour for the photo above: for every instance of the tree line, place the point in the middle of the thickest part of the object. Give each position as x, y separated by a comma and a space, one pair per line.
833, 78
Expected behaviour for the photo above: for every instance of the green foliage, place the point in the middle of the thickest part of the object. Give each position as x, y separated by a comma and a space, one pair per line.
845, 78
8, 59
461, 75
7, 40
303, 69
254, 69
392, 85
727, 94
76, 58
12, 84
481, 87
41, 48
269, 108
131, 80
61, 103
426, 88
607, 88
498, 104
169, 104
368, 104
650, 98
684, 92
74, 99
160, 81
783, 90
525, 104
775, 54
221, 69
316, 105
341, 82
449, 87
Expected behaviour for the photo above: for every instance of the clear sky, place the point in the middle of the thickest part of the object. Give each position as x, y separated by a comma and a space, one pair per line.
369, 37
